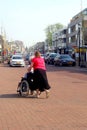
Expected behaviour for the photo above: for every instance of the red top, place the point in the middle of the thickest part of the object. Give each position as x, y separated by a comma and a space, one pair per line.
38, 63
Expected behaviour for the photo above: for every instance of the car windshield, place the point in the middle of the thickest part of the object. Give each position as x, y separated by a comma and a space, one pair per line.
17, 57
53, 55
65, 56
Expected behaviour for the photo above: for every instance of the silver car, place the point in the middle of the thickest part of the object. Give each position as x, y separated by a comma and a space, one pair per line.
17, 60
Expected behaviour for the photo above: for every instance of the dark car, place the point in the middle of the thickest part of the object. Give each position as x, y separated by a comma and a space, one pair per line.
64, 59
27, 58
50, 58
46, 57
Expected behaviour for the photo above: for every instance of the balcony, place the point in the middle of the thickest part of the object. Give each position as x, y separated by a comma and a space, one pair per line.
73, 33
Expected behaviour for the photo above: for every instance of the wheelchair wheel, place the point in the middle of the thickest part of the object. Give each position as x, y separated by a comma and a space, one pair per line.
24, 88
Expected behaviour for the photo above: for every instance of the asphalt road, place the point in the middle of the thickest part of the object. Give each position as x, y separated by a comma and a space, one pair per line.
65, 109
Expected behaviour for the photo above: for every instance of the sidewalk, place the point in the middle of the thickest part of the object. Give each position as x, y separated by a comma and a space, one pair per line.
65, 109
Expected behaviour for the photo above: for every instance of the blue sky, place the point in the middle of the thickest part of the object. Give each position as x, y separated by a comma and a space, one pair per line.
26, 20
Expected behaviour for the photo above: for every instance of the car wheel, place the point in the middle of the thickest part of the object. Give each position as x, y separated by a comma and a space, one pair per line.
47, 62
55, 64
74, 64
60, 64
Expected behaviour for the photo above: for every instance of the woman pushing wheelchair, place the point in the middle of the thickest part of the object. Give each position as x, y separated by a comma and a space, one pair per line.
40, 77
36, 80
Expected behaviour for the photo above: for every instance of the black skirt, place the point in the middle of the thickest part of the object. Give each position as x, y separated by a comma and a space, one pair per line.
40, 80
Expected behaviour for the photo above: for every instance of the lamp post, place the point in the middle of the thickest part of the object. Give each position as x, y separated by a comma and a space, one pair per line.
3, 51
79, 43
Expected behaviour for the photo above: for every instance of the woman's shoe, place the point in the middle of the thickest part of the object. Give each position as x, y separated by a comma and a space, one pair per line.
32, 92
47, 93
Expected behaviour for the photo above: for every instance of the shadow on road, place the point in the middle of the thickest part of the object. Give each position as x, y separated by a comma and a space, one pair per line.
9, 96
13, 95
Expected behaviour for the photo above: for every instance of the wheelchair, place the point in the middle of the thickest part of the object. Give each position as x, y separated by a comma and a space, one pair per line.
26, 85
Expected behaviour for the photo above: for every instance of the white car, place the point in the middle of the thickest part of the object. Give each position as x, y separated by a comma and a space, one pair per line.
17, 60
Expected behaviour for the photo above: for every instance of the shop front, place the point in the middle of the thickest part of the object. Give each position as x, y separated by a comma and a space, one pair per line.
82, 56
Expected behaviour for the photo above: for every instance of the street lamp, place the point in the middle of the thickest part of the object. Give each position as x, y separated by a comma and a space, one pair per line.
79, 26
3, 52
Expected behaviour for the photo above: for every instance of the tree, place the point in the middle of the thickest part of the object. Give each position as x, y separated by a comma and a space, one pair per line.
50, 30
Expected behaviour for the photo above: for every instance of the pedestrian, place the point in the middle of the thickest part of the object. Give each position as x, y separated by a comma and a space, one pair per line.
40, 76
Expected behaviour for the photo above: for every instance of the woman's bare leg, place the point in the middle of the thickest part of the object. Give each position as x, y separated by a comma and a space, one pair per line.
38, 93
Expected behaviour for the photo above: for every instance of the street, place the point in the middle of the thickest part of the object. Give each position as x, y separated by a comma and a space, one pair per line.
65, 109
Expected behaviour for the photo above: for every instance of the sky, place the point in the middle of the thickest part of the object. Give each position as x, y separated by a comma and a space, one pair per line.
26, 20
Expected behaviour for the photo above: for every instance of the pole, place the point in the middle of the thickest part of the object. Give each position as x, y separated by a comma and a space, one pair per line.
3, 52
79, 46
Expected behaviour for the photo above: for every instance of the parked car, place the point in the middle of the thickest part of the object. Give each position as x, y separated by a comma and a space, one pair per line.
27, 58
64, 59
17, 60
50, 58
43, 56
46, 56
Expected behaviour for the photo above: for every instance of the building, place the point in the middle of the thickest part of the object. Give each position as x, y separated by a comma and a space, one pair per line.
3, 48
77, 30
16, 47
59, 39
77, 36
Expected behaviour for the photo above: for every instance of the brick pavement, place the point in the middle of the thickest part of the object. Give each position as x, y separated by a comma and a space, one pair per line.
65, 109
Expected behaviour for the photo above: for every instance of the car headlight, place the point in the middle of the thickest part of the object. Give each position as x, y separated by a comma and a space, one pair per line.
22, 62
13, 62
